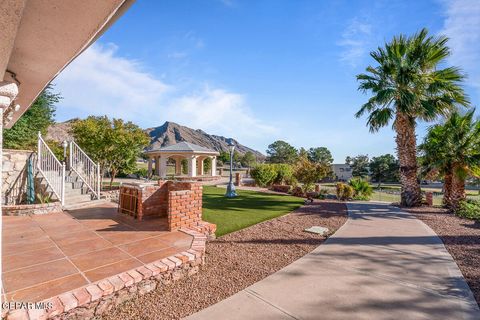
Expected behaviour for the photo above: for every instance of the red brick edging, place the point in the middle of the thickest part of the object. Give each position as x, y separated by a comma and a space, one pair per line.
99, 297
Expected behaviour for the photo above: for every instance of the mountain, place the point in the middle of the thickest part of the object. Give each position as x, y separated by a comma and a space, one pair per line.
170, 133
167, 134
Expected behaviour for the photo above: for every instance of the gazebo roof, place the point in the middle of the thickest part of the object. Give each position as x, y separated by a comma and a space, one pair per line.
184, 147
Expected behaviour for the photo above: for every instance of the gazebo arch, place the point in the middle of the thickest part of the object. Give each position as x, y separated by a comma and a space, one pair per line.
194, 154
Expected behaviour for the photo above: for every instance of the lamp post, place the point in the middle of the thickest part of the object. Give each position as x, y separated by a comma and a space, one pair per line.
65, 145
231, 193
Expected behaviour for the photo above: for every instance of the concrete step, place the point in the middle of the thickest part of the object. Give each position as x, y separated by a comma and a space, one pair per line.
70, 199
86, 204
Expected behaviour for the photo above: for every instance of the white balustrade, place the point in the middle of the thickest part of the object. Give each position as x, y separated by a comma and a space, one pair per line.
86, 169
52, 170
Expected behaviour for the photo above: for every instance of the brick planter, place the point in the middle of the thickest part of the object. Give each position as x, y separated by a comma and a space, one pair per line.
179, 202
95, 299
31, 209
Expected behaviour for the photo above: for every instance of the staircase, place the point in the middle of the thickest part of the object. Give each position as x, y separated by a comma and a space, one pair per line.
75, 184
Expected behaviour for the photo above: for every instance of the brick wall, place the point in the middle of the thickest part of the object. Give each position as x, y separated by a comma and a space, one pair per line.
179, 202
184, 205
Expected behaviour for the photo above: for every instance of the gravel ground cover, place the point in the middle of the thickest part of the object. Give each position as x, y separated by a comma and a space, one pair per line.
236, 261
461, 238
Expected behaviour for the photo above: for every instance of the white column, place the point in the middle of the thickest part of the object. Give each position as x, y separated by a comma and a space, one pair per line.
192, 166
163, 166
214, 166
149, 166
157, 165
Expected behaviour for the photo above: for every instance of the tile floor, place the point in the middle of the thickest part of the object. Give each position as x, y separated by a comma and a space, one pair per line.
46, 255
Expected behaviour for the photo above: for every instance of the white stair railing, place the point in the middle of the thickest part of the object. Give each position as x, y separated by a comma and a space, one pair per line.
52, 170
86, 169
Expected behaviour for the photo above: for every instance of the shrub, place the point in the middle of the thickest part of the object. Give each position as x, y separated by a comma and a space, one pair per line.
281, 188
263, 174
141, 172
284, 173
297, 192
322, 193
308, 187
362, 190
469, 209
344, 191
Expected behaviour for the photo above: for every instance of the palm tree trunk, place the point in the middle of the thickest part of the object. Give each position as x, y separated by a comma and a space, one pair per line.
407, 156
458, 191
447, 189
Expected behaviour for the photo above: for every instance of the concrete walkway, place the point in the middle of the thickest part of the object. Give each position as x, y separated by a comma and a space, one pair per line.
382, 264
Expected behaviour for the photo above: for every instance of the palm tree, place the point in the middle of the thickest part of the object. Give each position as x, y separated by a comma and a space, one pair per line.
453, 148
407, 85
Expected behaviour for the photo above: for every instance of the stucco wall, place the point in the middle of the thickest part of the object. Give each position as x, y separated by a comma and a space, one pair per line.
14, 174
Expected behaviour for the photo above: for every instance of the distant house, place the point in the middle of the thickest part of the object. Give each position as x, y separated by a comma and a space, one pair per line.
342, 172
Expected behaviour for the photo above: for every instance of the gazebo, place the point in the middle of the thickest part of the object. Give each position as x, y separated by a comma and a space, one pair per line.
194, 154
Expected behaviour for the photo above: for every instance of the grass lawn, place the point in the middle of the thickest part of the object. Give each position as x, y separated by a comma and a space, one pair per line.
247, 209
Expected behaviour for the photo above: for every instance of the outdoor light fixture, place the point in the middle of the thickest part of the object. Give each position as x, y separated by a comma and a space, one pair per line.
231, 193
64, 145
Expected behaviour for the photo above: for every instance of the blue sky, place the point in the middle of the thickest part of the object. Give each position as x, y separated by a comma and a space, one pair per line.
258, 71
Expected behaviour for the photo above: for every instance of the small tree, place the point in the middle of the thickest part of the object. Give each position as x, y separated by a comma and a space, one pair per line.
359, 165
24, 133
302, 153
384, 168
248, 160
115, 144
281, 152
320, 155
309, 173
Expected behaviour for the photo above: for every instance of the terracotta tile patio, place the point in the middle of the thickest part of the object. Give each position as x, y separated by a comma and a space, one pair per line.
46, 255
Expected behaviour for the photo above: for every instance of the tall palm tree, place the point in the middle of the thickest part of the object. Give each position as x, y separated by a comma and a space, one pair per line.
406, 85
453, 148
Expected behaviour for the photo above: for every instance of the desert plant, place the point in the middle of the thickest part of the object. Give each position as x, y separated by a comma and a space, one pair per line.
263, 174
344, 191
469, 209
44, 197
362, 190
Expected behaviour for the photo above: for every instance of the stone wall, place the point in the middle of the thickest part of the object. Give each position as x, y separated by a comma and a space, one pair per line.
14, 175
31, 209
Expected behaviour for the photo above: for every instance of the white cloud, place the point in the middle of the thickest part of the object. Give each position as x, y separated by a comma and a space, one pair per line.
355, 41
228, 3
462, 25
100, 82
220, 111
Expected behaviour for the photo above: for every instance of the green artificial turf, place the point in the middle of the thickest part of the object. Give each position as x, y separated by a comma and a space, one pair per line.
249, 208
